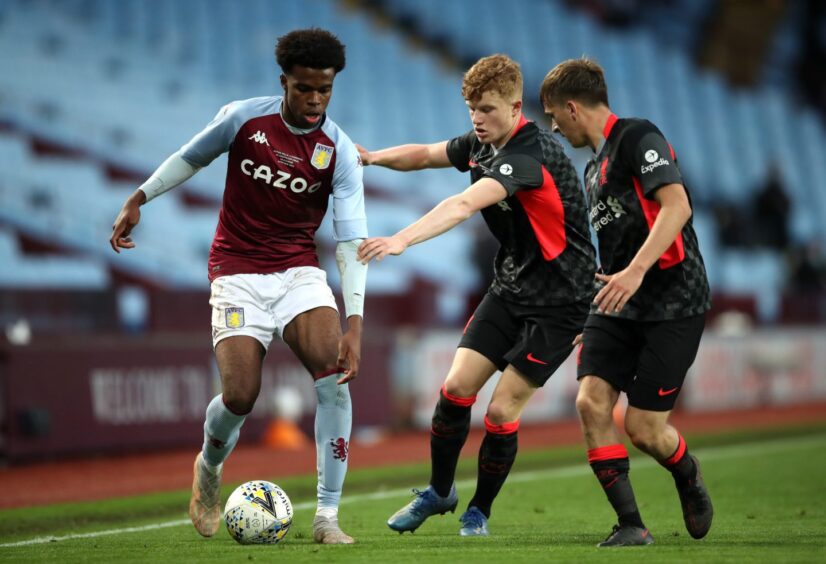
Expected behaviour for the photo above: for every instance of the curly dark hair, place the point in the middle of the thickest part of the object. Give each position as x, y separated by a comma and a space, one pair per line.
313, 48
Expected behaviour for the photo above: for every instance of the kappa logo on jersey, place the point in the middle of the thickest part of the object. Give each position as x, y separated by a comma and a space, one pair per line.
234, 317
322, 155
260, 137
506, 169
340, 448
651, 156
279, 179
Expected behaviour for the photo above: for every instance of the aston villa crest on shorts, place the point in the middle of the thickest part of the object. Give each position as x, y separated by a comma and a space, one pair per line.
322, 156
235, 317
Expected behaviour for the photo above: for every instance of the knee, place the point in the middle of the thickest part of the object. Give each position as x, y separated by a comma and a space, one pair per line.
591, 407
642, 436
499, 414
240, 400
455, 387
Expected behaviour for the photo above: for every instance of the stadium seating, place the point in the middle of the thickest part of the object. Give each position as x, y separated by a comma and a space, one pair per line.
137, 102
725, 139
47, 272
128, 82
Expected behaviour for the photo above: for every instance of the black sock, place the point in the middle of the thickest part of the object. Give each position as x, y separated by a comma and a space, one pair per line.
496, 456
610, 465
448, 432
680, 464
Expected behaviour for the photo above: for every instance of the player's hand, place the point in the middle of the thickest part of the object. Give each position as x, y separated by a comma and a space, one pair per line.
349, 355
618, 289
577, 340
128, 218
379, 247
364, 154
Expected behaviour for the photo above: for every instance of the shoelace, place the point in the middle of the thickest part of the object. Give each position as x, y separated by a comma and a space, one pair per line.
209, 480
420, 499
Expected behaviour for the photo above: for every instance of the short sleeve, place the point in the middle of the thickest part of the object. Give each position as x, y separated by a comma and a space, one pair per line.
459, 150
516, 172
653, 162
215, 138
349, 218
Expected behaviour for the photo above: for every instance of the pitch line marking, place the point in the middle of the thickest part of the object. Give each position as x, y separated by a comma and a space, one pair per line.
710, 453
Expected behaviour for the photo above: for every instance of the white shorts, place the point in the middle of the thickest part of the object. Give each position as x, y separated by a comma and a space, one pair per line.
261, 305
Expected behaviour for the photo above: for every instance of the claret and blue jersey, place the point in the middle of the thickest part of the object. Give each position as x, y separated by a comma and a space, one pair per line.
279, 181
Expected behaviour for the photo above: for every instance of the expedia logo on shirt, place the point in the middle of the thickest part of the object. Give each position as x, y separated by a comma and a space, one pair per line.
651, 157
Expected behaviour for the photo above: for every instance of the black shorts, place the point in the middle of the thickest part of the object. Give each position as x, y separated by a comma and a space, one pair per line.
648, 360
535, 340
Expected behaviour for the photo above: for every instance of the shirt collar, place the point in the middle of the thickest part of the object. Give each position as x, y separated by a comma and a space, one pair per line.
606, 131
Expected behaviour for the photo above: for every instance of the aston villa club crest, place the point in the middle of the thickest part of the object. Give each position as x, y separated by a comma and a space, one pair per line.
322, 155
340, 448
235, 317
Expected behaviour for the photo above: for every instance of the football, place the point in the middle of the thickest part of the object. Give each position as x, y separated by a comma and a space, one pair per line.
258, 512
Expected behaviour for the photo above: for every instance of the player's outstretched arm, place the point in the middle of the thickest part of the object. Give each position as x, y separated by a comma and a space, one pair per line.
407, 157
173, 172
675, 210
445, 216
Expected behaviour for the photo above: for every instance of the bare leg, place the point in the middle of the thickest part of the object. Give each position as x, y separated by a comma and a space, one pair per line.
595, 404
609, 459
651, 433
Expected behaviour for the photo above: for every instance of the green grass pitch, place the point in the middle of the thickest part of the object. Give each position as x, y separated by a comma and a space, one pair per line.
768, 492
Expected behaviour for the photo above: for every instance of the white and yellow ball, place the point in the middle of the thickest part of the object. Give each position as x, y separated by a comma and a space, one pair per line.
258, 512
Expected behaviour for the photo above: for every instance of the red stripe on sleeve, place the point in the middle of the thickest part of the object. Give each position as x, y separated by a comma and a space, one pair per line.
456, 400
609, 452
503, 429
676, 252
468, 324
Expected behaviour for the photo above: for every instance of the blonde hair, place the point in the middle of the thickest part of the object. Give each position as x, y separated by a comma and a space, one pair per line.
582, 80
496, 73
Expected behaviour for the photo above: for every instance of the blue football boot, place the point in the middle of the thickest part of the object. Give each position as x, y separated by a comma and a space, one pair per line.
426, 503
474, 523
